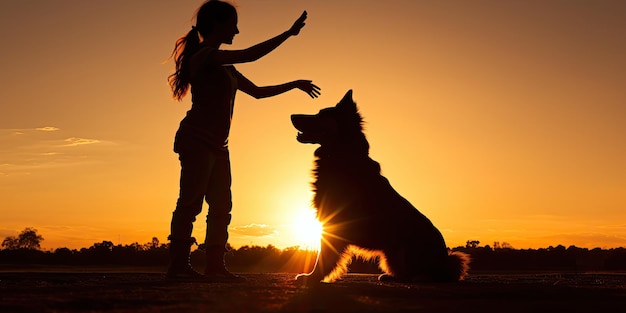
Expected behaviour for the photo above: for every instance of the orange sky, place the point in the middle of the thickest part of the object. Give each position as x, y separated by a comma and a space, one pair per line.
500, 120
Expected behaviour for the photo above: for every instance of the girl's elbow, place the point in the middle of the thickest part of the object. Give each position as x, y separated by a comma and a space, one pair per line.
257, 95
263, 95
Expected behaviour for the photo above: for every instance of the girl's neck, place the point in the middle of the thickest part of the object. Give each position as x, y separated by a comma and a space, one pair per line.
211, 41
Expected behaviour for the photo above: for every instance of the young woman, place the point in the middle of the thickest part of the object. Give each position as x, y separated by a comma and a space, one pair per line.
202, 138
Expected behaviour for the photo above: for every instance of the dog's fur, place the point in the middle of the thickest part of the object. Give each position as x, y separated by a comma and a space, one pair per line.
362, 214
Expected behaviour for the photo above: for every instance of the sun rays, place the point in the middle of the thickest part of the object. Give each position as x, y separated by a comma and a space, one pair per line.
307, 229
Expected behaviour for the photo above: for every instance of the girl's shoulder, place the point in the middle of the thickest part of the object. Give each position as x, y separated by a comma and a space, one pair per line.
200, 59
202, 54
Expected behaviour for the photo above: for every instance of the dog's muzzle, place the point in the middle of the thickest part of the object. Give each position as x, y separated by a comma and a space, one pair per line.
308, 128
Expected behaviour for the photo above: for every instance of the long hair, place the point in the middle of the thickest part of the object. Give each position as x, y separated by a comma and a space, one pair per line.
211, 12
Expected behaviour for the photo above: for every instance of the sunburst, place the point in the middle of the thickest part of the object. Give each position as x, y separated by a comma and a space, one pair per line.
307, 229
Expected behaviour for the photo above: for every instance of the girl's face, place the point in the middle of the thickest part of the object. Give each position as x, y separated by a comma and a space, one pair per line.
228, 30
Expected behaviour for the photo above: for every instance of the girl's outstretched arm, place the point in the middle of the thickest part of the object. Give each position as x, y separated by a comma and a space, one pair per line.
259, 50
253, 90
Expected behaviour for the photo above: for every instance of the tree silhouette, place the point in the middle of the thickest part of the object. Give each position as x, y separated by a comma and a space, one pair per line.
27, 239
153, 244
472, 244
11, 243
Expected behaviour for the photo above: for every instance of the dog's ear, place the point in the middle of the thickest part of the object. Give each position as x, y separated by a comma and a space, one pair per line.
347, 102
348, 96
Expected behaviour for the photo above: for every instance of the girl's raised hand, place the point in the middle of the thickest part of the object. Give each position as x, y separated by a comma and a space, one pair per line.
297, 26
307, 86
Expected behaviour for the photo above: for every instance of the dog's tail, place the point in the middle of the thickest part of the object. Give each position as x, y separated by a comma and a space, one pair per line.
457, 265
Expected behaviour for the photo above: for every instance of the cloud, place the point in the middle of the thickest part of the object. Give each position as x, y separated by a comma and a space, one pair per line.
76, 141
254, 230
6, 232
47, 128
28, 150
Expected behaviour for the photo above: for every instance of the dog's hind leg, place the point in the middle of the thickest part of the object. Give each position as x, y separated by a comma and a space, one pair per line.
395, 265
416, 265
331, 259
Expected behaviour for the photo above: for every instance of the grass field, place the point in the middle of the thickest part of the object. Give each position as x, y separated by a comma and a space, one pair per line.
102, 290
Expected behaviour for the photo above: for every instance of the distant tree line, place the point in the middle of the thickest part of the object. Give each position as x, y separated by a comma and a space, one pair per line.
505, 257
24, 250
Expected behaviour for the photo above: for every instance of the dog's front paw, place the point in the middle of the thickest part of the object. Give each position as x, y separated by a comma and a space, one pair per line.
307, 279
387, 278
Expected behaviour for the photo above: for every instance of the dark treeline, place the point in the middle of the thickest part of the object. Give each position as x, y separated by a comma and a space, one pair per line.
24, 250
155, 254
557, 258
272, 259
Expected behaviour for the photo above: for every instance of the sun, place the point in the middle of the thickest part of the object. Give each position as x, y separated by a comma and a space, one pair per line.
307, 229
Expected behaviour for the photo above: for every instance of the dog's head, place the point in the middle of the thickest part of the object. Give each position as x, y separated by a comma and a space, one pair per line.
333, 124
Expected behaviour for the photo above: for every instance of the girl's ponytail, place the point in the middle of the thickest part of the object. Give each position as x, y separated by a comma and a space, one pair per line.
184, 48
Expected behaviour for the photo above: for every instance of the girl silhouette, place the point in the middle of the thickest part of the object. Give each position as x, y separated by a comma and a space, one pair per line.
202, 138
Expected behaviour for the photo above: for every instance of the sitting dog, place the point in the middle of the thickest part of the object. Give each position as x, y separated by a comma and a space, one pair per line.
363, 216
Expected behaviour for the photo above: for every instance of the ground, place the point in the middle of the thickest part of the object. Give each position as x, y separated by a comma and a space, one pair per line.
106, 291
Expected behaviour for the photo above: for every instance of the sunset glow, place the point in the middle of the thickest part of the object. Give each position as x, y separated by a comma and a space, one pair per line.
308, 230
500, 121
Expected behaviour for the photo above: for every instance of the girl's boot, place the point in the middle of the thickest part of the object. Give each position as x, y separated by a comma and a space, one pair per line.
180, 266
216, 268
